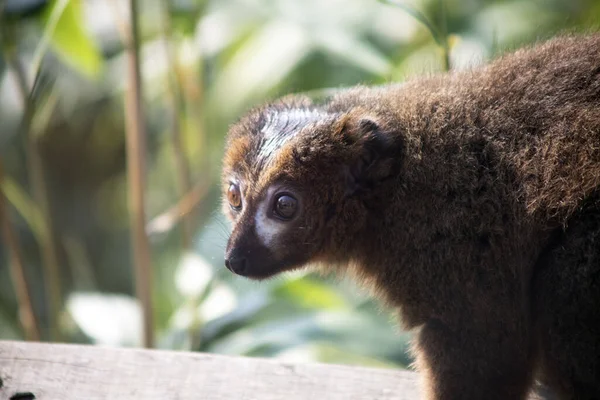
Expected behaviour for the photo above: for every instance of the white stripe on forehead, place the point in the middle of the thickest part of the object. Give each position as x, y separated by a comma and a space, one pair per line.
281, 126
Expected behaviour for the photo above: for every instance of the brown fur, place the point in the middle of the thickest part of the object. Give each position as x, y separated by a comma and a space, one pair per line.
466, 200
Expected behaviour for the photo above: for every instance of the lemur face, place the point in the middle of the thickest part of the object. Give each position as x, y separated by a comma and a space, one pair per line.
273, 203
270, 232
294, 182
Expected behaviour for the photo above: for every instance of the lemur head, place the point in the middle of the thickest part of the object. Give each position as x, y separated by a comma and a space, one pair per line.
296, 183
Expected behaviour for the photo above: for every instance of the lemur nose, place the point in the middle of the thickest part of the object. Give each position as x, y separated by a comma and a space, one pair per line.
236, 264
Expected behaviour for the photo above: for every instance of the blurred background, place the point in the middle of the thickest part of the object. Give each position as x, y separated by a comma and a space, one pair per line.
73, 183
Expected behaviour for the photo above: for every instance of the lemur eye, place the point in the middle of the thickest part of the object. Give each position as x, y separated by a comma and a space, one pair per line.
234, 196
285, 206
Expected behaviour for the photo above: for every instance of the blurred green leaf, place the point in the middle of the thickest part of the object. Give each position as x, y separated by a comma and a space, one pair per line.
262, 62
359, 334
356, 51
247, 310
311, 294
109, 319
9, 329
419, 16
26, 207
339, 354
193, 275
64, 29
269, 337
185, 14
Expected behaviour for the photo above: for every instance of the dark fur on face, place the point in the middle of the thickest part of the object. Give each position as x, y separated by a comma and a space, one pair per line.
457, 198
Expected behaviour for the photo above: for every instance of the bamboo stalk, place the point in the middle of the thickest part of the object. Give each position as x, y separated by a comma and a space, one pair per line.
136, 149
47, 239
27, 317
182, 170
38, 186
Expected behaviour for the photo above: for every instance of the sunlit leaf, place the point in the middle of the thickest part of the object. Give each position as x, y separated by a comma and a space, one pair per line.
220, 301
108, 319
191, 319
367, 333
467, 52
425, 59
419, 16
311, 293
268, 337
193, 275
510, 22
64, 29
329, 352
264, 60
247, 308
356, 51
362, 336
183, 318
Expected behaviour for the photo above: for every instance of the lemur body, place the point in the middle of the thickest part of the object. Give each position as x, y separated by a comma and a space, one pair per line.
469, 201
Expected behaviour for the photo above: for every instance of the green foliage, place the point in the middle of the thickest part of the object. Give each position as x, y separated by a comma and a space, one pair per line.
64, 28
438, 36
311, 294
24, 205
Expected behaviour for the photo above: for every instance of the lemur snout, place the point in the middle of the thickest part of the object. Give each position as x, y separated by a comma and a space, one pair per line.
237, 265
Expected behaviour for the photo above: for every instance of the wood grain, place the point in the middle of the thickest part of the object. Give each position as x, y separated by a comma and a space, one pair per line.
76, 372
80, 372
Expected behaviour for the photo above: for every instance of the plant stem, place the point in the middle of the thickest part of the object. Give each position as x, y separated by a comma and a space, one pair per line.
188, 202
136, 149
38, 185
17, 271
181, 165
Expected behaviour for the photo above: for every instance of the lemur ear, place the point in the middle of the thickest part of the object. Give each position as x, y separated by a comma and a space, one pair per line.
373, 147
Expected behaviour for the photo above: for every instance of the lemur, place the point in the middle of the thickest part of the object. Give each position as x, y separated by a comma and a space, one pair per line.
467, 201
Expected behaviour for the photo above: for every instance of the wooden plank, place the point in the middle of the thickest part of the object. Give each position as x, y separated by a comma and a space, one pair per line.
76, 372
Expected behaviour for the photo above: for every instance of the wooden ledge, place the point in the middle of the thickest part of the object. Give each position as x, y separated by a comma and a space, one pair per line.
77, 372
44, 371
